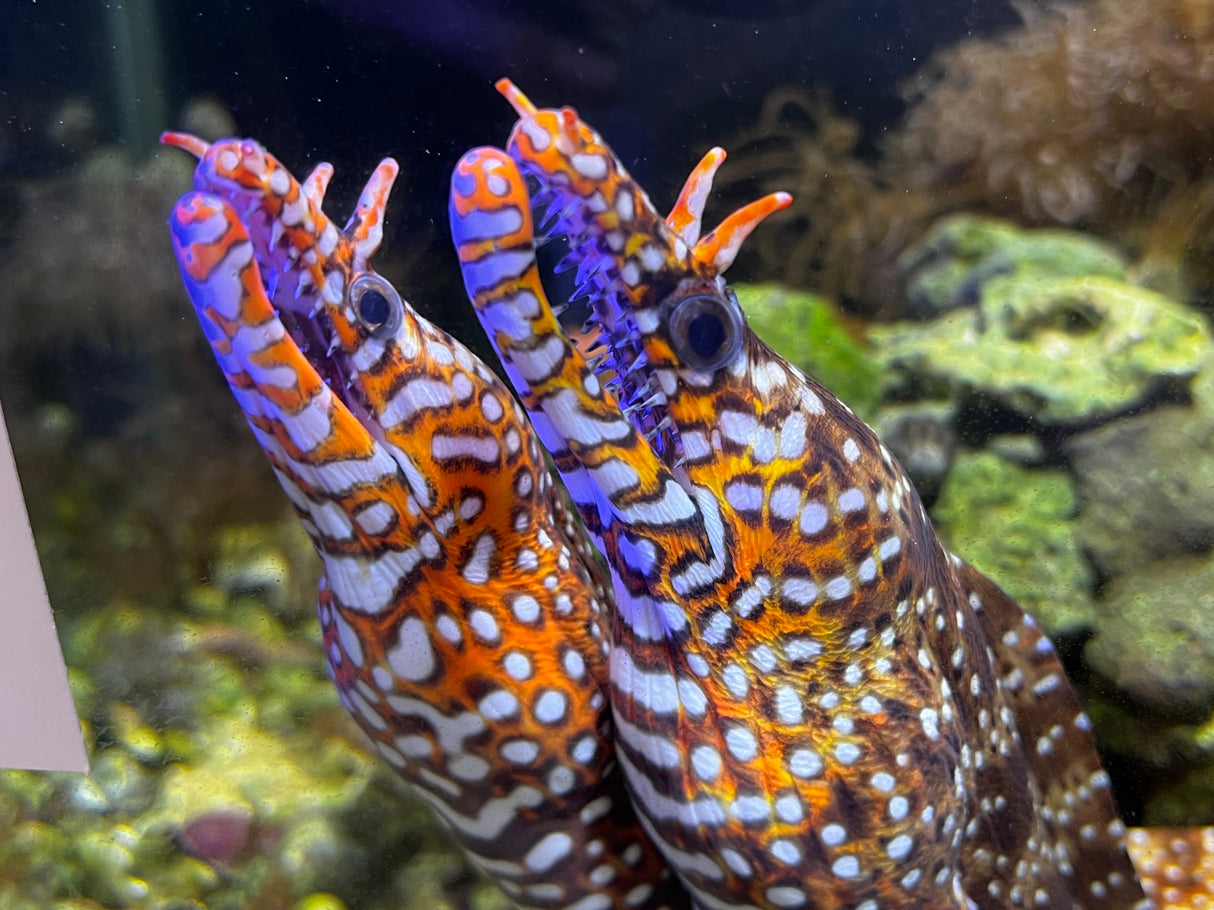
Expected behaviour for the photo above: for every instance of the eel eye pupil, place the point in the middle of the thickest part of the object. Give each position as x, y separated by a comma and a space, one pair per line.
706, 334
706, 330
375, 304
373, 309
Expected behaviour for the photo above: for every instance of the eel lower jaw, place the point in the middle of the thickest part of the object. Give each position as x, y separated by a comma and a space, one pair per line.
290, 269
308, 324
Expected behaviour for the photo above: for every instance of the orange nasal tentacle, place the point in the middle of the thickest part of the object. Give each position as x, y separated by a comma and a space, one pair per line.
511, 92
718, 249
316, 184
688, 213
192, 144
365, 229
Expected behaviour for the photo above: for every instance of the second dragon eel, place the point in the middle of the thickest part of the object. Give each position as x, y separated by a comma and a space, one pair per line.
462, 614
817, 706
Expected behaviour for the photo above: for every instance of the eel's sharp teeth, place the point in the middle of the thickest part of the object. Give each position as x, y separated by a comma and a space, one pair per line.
587, 270
639, 362
569, 261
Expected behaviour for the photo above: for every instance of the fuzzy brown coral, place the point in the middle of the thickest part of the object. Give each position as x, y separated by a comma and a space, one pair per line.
1087, 113
844, 235
1097, 114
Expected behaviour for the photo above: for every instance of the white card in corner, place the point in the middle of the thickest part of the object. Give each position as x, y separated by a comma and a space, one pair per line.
39, 729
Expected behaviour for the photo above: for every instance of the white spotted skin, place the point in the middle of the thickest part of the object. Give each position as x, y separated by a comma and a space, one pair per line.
870, 710
428, 500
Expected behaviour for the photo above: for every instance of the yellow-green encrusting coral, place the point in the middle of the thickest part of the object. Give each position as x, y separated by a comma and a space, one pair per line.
1017, 526
1056, 350
224, 773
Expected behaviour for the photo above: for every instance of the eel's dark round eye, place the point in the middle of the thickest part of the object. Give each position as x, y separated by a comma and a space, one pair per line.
706, 330
376, 304
373, 308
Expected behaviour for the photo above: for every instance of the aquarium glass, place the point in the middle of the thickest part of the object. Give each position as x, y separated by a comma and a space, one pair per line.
998, 254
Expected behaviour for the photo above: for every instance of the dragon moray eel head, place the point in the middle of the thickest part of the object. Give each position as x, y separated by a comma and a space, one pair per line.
672, 332
461, 608
816, 705
305, 262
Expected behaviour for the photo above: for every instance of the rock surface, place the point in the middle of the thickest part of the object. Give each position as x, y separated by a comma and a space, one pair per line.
1155, 638
963, 256
1018, 526
1147, 487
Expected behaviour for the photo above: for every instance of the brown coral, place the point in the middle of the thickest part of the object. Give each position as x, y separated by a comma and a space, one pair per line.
1097, 114
844, 235
1086, 113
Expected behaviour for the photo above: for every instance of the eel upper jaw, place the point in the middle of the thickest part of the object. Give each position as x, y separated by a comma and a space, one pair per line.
617, 328
633, 354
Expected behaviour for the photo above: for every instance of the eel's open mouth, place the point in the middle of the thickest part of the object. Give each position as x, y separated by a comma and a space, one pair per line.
643, 347
293, 274
612, 337
313, 334
304, 261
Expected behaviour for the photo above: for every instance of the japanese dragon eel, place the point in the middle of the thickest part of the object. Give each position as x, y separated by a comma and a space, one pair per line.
816, 705
462, 613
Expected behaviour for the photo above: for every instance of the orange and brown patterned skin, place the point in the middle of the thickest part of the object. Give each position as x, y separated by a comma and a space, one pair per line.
816, 705
1176, 865
461, 608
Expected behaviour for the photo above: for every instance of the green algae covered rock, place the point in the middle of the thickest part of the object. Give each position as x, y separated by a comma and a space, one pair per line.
1147, 484
1155, 639
1058, 350
274, 561
224, 774
963, 256
1016, 525
807, 331
244, 769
